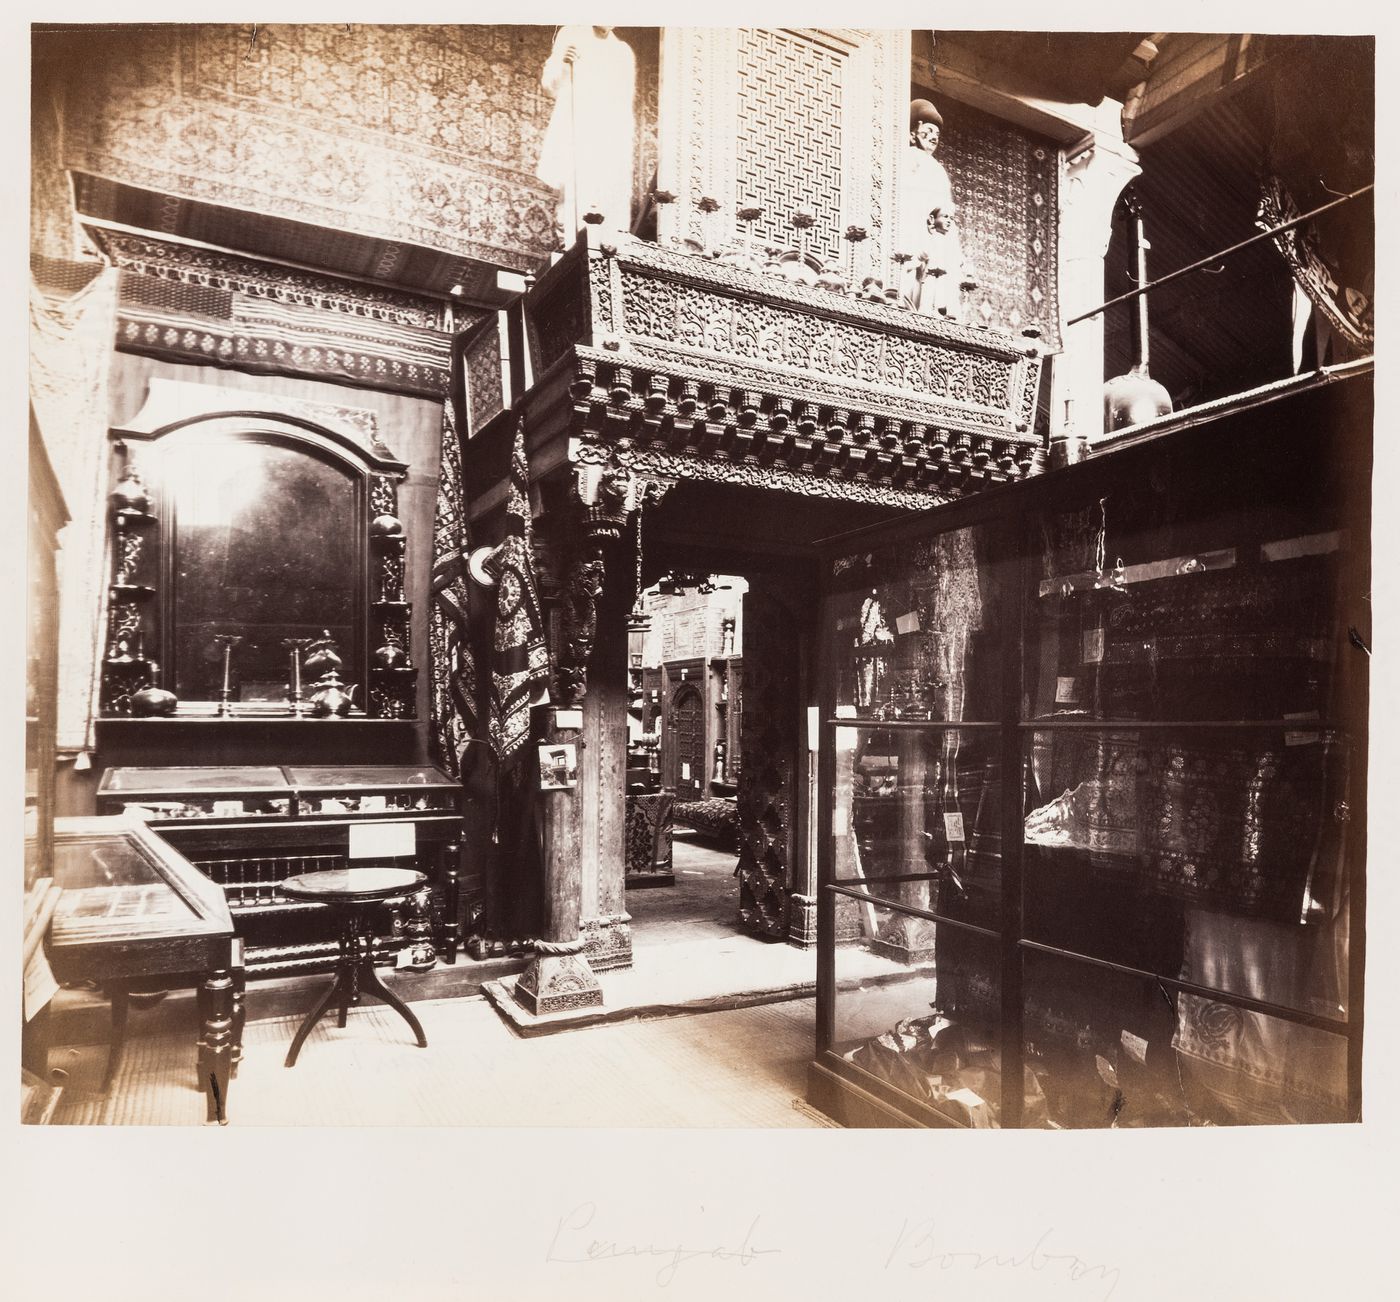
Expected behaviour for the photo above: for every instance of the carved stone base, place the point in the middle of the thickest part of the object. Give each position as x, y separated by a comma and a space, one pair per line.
607, 942
848, 930
557, 983
906, 940
802, 921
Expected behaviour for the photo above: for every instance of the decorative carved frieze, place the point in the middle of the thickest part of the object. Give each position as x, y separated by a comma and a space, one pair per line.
717, 372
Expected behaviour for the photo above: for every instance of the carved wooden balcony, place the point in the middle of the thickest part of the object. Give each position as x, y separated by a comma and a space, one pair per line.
679, 366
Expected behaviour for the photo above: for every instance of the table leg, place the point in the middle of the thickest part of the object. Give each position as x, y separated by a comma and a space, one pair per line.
216, 1043
117, 993
372, 985
313, 1017
239, 975
349, 958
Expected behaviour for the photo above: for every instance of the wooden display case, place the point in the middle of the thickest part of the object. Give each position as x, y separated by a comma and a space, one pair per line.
248, 828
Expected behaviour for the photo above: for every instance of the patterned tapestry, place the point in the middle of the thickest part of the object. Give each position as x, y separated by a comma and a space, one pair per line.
1005, 181
424, 134
520, 663
455, 711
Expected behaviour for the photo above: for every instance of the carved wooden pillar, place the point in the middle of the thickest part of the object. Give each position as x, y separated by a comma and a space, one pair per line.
581, 831
559, 978
606, 927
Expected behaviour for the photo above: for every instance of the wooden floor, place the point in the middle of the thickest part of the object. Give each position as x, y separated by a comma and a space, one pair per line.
740, 1068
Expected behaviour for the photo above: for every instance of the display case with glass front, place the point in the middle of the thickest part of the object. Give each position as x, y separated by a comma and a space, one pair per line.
1095, 747
249, 827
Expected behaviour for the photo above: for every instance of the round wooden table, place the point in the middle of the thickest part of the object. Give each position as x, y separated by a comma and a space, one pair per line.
355, 894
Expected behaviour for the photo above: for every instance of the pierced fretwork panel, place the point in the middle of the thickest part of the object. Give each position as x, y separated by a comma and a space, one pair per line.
783, 118
788, 136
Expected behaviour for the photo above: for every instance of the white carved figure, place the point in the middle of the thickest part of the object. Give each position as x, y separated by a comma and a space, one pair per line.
935, 276
587, 152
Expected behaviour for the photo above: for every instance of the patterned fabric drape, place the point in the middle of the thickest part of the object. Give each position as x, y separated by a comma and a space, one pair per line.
456, 710
69, 352
520, 660
1348, 309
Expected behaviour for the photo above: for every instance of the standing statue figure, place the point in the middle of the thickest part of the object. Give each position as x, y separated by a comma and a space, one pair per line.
587, 153
935, 276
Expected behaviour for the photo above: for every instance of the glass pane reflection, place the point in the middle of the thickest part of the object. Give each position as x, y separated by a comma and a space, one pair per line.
265, 543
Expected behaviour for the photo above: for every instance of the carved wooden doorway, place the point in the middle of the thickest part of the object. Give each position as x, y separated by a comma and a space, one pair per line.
686, 724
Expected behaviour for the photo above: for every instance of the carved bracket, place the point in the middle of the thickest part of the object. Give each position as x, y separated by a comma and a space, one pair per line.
576, 624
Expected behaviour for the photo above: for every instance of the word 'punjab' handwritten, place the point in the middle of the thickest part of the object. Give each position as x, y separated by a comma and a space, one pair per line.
570, 1247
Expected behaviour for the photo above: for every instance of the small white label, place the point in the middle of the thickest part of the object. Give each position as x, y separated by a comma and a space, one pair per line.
1093, 646
1135, 1047
228, 809
845, 711
953, 826
907, 623
383, 840
404, 957
40, 984
968, 1098
1300, 738
372, 804
568, 718
685, 770
1066, 690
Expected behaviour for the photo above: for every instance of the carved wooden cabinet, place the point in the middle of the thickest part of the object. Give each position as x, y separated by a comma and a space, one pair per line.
250, 827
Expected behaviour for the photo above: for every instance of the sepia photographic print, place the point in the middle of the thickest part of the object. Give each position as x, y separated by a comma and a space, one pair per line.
709, 580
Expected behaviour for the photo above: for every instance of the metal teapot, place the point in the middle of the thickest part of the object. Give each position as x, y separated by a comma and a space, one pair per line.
332, 699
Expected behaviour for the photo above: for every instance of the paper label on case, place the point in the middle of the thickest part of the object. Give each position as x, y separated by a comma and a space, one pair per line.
1093, 646
953, 827
228, 809
383, 840
1300, 738
968, 1098
1066, 690
40, 984
907, 623
1135, 1047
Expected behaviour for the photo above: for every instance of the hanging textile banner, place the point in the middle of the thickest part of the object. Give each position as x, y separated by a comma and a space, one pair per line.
520, 660
456, 712
1347, 309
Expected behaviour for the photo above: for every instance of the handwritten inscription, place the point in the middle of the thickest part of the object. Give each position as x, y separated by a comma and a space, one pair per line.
919, 1246
574, 1245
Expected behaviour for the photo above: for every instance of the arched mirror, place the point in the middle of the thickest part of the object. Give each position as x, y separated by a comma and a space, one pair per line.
257, 569
266, 543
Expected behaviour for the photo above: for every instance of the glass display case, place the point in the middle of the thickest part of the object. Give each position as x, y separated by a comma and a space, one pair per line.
1094, 748
134, 914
